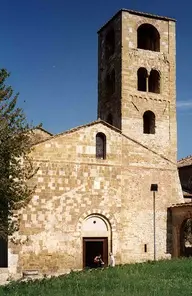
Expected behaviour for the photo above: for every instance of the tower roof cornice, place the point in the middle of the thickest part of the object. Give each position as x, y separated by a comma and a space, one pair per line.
139, 13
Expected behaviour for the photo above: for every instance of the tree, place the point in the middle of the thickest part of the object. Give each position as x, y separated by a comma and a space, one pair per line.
15, 164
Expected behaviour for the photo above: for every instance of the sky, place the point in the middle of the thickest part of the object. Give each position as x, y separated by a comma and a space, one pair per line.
50, 49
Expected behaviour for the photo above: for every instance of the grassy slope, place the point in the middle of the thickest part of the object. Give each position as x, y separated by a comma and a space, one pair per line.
170, 278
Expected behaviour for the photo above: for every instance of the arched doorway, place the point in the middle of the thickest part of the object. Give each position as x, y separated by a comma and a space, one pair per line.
186, 238
96, 234
179, 235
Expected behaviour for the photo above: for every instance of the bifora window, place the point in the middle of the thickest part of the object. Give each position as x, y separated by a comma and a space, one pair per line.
149, 83
149, 122
154, 82
148, 38
101, 146
142, 79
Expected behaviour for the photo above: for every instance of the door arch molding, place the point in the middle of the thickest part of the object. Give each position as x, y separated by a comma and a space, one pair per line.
103, 214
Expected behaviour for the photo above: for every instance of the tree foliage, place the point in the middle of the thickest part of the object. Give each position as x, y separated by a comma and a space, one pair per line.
15, 163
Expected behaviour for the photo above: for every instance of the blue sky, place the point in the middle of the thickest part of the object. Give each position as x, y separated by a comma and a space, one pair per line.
50, 48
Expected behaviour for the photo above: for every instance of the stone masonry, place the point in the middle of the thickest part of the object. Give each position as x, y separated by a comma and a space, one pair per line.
72, 184
127, 104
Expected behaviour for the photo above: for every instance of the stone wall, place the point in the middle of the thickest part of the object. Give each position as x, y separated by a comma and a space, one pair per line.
127, 104
72, 184
110, 104
38, 135
134, 102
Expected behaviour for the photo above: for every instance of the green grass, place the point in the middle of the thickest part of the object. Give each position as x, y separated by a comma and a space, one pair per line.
170, 278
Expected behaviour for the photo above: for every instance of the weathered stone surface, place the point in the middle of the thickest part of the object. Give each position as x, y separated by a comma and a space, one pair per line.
39, 134
72, 184
127, 104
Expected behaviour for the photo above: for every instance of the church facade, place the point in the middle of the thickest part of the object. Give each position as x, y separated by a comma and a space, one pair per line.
106, 186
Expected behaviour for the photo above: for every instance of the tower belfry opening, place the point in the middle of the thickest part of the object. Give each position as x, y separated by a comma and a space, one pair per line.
136, 79
154, 82
148, 38
142, 79
149, 122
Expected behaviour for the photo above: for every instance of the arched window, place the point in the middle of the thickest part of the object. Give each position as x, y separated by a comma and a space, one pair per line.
154, 82
148, 38
110, 83
101, 146
109, 44
110, 119
149, 122
142, 79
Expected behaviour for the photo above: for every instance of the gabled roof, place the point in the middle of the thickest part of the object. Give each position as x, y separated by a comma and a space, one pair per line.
186, 161
87, 125
43, 130
149, 15
99, 121
185, 204
72, 130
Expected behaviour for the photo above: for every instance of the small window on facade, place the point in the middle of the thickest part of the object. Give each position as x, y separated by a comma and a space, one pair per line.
110, 44
110, 83
110, 119
3, 252
154, 82
101, 146
142, 79
148, 38
149, 122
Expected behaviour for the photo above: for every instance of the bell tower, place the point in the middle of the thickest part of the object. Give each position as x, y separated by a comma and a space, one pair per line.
136, 79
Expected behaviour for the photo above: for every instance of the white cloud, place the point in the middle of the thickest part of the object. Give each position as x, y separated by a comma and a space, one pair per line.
184, 104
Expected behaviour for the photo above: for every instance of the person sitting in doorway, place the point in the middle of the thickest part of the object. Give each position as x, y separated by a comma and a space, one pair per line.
98, 261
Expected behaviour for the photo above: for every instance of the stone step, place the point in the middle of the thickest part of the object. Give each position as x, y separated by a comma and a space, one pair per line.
31, 274
4, 270
4, 276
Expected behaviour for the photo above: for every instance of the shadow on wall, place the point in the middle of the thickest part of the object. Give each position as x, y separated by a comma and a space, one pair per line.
169, 233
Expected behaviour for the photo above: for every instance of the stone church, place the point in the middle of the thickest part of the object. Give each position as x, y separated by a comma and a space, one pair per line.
107, 186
